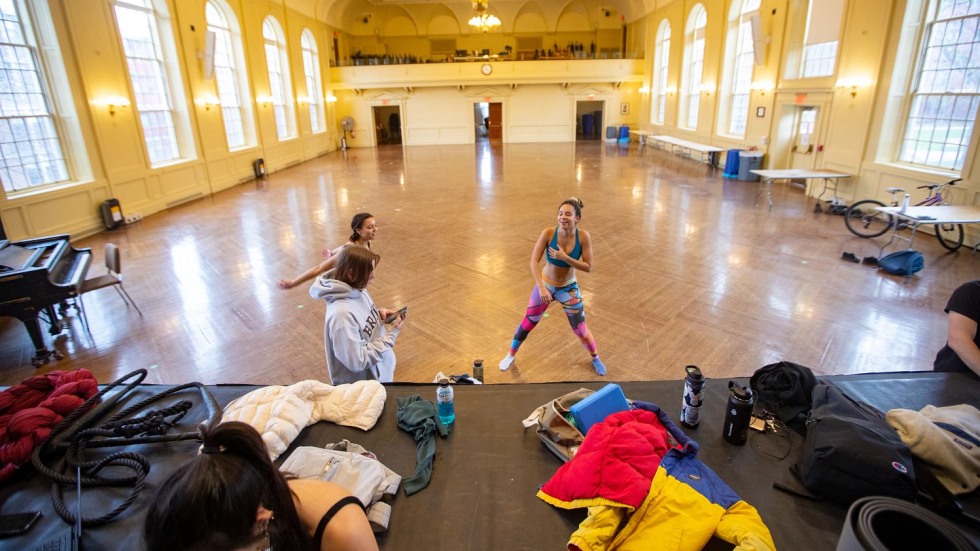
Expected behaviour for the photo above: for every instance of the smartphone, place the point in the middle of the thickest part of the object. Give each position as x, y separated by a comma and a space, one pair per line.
392, 317
16, 524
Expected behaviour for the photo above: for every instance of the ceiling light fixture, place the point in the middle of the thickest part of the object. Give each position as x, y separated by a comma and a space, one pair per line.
483, 20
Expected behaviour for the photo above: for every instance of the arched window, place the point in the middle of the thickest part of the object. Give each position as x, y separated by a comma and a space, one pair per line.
280, 88
141, 29
314, 88
230, 74
693, 65
31, 152
661, 66
740, 60
945, 89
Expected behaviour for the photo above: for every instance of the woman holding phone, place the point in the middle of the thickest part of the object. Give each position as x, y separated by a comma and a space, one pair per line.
358, 345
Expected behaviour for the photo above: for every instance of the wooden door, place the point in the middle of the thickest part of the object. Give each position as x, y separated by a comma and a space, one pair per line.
495, 129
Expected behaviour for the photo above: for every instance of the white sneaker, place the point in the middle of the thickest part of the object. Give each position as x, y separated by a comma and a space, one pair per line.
506, 362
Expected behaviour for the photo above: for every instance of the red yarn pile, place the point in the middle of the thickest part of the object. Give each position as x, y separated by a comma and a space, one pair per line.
31, 409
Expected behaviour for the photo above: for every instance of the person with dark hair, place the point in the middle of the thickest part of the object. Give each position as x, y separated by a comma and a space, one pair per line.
358, 346
231, 497
363, 230
962, 350
568, 249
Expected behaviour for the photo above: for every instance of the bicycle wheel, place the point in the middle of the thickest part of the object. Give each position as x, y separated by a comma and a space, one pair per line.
864, 220
950, 236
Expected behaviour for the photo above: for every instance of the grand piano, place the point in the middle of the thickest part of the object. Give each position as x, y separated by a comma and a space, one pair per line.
36, 275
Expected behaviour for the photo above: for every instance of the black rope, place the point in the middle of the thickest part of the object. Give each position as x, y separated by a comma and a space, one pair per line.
82, 431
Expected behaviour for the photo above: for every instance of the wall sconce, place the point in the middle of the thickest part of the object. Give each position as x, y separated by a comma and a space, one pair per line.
331, 98
762, 86
209, 102
707, 89
113, 103
303, 100
644, 90
264, 101
851, 84
670, 90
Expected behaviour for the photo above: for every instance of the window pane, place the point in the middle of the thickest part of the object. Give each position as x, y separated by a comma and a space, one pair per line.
227, 75
30, 149
944, 101
138, 30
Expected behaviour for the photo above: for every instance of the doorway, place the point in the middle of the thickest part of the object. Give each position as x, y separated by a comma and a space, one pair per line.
387, 125
481, 121
803, 149
588, 120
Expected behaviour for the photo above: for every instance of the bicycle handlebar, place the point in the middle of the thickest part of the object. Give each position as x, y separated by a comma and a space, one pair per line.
934, 186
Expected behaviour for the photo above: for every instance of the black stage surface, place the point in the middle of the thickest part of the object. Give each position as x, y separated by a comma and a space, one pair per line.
486, 474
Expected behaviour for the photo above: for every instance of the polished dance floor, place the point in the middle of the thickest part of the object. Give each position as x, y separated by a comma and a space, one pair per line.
687, 270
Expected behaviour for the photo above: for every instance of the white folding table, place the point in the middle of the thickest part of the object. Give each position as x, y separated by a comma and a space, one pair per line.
830, 180
921, 216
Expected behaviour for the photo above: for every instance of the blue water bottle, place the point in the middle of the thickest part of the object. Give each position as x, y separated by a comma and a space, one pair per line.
444, 402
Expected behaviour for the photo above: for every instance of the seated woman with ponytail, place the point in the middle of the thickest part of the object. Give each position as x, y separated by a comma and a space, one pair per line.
231, 497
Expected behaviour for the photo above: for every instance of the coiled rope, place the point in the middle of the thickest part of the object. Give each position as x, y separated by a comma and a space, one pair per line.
81, 431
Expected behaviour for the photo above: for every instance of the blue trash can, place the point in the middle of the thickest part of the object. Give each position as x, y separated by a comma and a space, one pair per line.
611, 133
588, 125
624, 133
731, 163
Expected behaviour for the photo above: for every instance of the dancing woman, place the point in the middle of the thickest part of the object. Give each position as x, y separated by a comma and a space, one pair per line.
363, 230
568, 249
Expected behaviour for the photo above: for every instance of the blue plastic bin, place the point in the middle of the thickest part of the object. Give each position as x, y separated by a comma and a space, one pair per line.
588, 125
731, 163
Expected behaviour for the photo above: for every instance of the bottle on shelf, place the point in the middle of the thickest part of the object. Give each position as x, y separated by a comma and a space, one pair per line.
444, 402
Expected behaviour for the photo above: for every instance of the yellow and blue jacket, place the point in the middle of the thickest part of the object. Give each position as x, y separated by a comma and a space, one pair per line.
645, 489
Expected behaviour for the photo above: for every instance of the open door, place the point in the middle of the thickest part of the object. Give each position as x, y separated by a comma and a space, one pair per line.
387, 125
495, 129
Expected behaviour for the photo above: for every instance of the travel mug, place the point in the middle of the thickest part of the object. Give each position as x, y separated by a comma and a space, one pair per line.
738, 413
693, 395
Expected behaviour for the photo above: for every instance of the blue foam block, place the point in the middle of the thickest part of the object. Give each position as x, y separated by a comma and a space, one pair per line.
594, 408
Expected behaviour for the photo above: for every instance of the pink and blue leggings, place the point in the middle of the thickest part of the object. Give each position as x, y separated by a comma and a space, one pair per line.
571, 301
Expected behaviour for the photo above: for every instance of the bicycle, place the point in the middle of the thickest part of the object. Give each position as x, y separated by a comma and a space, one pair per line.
863, 219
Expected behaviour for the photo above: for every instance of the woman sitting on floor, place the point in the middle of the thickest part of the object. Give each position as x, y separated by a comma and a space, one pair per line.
231, 497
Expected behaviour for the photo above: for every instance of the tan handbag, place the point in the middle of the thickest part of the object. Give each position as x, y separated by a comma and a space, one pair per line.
554, 426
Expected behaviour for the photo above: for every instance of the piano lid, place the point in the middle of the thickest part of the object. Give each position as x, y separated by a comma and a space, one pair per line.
15, 257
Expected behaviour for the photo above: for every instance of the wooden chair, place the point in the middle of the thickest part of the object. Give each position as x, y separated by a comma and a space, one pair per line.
113, 278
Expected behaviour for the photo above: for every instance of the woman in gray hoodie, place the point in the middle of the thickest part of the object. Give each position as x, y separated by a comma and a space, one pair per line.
358, 345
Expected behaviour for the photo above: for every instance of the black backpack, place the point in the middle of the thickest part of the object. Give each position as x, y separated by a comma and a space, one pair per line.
850, 451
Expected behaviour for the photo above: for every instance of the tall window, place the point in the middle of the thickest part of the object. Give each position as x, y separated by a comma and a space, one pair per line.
137, 22
30, 148
279, 87
740, 79
694, 66
946, 89
820, 43
229, 73
314, 90
660, 70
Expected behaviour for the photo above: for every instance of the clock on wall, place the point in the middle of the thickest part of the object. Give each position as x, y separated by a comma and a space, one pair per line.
486, 69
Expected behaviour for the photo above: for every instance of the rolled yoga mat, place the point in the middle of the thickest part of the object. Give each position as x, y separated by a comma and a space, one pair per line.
881, 523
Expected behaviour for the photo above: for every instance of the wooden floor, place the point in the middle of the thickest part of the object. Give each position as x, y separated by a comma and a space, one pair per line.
687, 271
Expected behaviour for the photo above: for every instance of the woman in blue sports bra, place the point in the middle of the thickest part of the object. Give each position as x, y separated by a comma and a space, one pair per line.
568, 249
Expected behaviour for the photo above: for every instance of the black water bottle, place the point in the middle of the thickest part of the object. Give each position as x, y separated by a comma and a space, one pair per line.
738, 414
693, 395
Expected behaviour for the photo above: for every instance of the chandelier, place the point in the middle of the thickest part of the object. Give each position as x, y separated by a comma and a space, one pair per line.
483, 20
